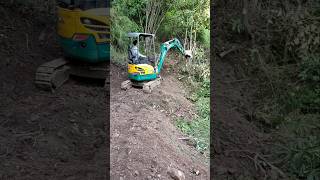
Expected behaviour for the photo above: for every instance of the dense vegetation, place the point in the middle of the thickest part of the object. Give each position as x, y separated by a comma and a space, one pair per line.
279, 42
186, 20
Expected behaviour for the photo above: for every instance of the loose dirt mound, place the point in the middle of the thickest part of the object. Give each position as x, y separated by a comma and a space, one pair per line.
45, 135
144, 139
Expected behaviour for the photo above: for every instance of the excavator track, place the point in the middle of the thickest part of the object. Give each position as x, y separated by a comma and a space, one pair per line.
107, 80
147, 87
52, 75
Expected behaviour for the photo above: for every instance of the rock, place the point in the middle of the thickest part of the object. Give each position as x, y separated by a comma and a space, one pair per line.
72, 120
196, 172
221, 170
116, 135
34, 117
191, 142
176, 174
42, 36
60, 134
136, 173
231, 171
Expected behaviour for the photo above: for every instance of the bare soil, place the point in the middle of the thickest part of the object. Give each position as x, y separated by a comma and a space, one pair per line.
235, 139
45, 135
144, 139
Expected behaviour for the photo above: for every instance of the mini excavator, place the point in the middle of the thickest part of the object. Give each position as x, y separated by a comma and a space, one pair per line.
83, 30
145, 72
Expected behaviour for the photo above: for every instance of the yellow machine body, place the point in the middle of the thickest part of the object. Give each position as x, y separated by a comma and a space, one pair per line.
84, 34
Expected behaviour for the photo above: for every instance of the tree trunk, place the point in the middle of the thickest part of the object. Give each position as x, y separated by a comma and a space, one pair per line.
245, 18
155, 13
185, 40
190, 42
195, 40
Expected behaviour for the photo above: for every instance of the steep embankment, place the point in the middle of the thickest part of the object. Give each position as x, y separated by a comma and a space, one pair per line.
237, 141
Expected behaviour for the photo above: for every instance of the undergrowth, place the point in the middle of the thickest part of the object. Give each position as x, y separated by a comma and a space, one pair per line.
196, 76
283, 57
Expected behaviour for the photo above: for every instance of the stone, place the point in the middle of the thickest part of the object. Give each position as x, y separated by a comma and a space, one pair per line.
176, 174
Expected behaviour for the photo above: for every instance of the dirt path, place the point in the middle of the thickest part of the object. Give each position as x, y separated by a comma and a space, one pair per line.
144, 139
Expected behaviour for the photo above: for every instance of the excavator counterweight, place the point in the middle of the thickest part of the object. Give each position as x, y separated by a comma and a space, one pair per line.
83, 31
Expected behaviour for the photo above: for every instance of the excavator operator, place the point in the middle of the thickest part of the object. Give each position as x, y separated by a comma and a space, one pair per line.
136, 57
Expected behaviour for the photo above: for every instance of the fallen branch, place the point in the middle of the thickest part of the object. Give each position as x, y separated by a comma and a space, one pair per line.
184, 138
238, 80
272, 166
27, 41
224, 53
256, 161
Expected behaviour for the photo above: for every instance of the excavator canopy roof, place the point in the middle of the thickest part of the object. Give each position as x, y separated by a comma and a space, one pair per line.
137, 34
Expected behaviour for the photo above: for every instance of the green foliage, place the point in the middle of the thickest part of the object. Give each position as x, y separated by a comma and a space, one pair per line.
300, 150
282, 55
303, 99
132, 9
120, 27
118, 56
204, 37
184, 15
305, 34
237, 25
199, 128
197, 70
310, 68
196, 74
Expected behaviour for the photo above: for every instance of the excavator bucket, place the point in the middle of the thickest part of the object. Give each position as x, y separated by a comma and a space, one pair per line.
188, 53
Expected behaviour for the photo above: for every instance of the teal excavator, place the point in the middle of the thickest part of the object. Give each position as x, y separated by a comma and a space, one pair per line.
83, 31
144, 70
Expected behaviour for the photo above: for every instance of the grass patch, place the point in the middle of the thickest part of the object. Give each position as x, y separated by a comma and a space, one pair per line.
199, 127
298, 150
118, 56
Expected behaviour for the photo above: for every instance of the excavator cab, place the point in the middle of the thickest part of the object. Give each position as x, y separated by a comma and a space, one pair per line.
143, 74
145, 66
84, 29
146, 47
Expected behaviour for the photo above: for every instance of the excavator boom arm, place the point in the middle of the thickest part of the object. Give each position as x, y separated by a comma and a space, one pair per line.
165, 47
